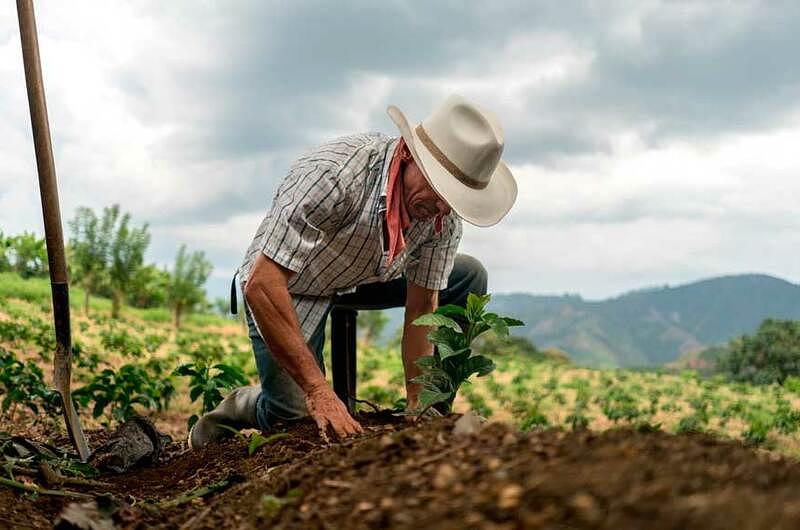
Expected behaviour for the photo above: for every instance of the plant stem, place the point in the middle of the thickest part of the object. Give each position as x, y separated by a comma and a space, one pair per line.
42, 491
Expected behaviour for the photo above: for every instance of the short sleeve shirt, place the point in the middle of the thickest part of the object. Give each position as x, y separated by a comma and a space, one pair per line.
326, 225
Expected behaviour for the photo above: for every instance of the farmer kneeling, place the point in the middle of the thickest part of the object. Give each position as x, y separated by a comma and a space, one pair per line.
363, 222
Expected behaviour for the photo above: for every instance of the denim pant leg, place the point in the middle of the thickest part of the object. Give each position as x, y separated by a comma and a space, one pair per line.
281, 398
468, 276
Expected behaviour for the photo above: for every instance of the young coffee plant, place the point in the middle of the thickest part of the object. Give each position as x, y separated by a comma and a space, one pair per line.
203, 383
121, 341
144, 384
453, 361
23, 384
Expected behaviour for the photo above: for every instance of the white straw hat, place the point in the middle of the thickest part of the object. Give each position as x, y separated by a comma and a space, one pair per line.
458, 148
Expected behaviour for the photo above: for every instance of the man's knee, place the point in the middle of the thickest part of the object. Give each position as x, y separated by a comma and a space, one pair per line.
468, 276
474, 273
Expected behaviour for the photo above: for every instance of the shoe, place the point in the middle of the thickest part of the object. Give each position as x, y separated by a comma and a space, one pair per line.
237, 410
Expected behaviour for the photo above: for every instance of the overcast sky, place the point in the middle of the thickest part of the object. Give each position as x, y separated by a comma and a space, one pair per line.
653, 142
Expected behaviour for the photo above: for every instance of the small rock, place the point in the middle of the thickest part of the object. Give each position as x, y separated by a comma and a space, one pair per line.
386, 503
510, 439
386, 441
445, 476
364, 506
586, 508
467, 424
493, 463
509, 497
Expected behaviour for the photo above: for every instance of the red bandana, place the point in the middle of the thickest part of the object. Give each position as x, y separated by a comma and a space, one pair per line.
397, 218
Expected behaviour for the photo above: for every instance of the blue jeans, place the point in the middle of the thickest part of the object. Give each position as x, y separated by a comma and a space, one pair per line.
283, 399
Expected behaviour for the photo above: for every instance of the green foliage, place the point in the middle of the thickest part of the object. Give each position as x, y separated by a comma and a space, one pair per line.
453, 362
5, 253
204, 383
126, 257
769, 356
120, 340
617, 404
23, 384
185, 288
380, 395
146, 384
371, 324
89, 249
34, 290
26, 254
148, 287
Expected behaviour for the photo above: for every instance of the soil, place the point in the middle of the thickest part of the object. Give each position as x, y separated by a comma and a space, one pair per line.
424, 476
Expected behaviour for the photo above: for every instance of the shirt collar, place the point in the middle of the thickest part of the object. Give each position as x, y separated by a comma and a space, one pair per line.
387, 160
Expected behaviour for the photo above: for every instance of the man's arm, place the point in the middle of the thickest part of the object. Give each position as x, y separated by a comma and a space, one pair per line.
269, 300
419, 301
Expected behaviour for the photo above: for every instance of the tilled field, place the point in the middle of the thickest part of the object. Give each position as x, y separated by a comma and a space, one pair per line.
425, 476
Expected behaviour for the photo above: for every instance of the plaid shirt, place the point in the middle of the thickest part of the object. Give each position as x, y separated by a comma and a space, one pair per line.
326, 224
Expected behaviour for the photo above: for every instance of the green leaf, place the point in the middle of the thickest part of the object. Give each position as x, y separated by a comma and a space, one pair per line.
257, 440
428, 361
480, 364
512, 321
186, 369
433, 319
445, 353
448, 338
451, 309
429, 397
500, 327
195, 393
475, 305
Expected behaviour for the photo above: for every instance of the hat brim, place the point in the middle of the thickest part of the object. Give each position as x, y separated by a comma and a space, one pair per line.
484, 207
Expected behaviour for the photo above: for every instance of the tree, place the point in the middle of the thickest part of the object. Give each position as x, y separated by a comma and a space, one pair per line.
769, 356
371, 324
188, 276
30, 255
5, 252
148, 287
90, 245
126, 258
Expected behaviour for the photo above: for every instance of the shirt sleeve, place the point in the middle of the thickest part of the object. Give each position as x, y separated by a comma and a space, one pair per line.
432, 262
306, 209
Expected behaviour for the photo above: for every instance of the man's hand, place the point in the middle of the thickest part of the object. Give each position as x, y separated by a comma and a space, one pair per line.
328, 410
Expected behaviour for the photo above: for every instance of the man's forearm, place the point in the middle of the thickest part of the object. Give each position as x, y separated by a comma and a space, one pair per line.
271, 305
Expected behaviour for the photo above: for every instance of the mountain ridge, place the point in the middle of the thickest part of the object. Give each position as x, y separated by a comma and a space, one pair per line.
654, 325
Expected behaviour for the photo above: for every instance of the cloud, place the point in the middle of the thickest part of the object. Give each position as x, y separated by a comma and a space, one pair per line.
652, 140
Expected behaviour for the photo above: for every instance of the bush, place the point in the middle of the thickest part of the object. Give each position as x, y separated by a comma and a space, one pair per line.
769, 356
133, 384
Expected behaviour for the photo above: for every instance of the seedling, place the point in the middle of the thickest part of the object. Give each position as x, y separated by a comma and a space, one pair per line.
203, 383
255, 440
453, 362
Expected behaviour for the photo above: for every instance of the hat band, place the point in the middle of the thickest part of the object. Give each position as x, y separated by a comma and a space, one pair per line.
447, 163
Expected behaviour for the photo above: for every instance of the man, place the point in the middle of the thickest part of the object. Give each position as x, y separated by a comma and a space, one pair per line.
367, 222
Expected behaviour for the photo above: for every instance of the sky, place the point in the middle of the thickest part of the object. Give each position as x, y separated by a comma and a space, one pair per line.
653, 143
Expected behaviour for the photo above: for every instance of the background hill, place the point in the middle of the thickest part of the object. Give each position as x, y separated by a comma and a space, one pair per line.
649, 327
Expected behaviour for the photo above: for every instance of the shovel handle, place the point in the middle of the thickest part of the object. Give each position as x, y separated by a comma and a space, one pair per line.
54, 236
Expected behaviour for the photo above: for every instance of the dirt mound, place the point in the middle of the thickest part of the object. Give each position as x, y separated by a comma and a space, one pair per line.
427, 477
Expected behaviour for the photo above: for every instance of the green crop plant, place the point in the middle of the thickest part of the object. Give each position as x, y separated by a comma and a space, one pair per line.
758, 431
453, 361
786, 418
121, 341
153, 342
23, 384
132, 384
208, 382
617, 404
